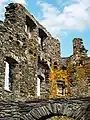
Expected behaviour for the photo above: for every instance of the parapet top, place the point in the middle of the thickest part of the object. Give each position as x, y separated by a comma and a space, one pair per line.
16, 6
77, 39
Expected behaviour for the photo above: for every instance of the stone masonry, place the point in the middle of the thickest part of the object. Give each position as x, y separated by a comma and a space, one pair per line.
77, 109
28, 56
29, 49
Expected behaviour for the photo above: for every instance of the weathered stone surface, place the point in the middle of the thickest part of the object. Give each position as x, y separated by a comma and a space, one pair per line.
16, 44
31, 51
77, 109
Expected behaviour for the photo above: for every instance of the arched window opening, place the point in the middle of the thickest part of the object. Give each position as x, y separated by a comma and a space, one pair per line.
39, 81
55, 66
30, 25
9, 66
42, 36
61, 88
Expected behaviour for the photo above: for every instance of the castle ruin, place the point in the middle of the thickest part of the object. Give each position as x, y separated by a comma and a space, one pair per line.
31, 66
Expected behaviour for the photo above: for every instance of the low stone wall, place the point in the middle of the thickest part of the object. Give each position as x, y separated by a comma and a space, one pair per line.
77, 109
9, 110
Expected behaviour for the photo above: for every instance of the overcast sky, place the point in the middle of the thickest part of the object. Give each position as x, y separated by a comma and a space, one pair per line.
64, 19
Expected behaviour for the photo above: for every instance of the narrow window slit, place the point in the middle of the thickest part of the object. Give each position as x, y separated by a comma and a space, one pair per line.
39, 81
38, 86
7, 76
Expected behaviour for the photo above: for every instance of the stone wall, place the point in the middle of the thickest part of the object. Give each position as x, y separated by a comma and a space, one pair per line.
17, 46
31, 53
77, 109
24, 40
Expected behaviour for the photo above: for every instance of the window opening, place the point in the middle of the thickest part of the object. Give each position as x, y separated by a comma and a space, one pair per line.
55, 65
42, 36
39, 40
38, 86
61, 88
7, 76
39, 80
9, 65
30, 25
